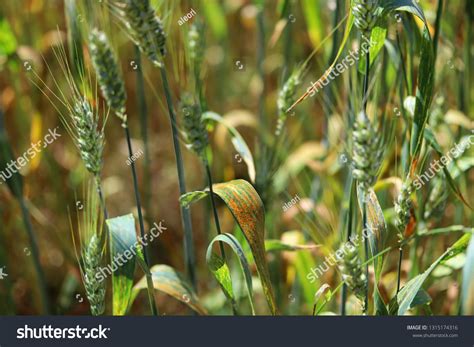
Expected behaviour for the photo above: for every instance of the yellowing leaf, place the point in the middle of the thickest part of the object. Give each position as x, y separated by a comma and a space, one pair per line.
169, 281
247, 208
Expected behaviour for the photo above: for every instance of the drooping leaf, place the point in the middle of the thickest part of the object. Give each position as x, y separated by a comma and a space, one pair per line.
237, 141
221, 271
169, 281
467, 290
424, 93
247, 208
404, 5
408, 293
123, 244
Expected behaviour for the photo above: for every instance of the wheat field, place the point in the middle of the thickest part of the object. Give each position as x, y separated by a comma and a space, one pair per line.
236, 157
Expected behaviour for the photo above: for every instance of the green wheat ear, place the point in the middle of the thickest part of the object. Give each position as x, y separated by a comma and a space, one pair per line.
92, 250
108, 72
403, 206
365, 16
286, 97
196, 44
366, 152
353, 274
144, 28
88, 135
194, 126
95, 289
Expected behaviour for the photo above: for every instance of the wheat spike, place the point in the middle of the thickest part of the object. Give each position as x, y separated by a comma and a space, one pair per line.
366, 153
108, 72
353, 274
286, 97
365, 17
403, 206
145, 29
95, 289
196, 44
194, 126
89, 137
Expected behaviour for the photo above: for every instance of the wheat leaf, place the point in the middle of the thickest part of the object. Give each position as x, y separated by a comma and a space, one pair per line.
247, 208
123, 241
221, 271
167, 280
237, 141
408, 293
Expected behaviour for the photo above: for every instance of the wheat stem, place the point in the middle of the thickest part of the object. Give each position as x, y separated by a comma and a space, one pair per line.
151, 296
101, 196
400, 257
35, 254
143, 111
185, 213
213, 204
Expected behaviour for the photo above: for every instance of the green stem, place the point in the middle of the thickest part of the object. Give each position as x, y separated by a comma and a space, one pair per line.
143, 111
213, 204
185, 213
367, 256
400, 257
350, 214
101, 197
35, 254
150, 287
364, 207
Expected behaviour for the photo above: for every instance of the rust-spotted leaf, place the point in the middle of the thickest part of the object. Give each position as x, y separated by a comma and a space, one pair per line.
247, 208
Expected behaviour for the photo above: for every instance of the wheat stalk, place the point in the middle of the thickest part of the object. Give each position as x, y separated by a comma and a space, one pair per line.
364, 136
146, 30
113, 90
